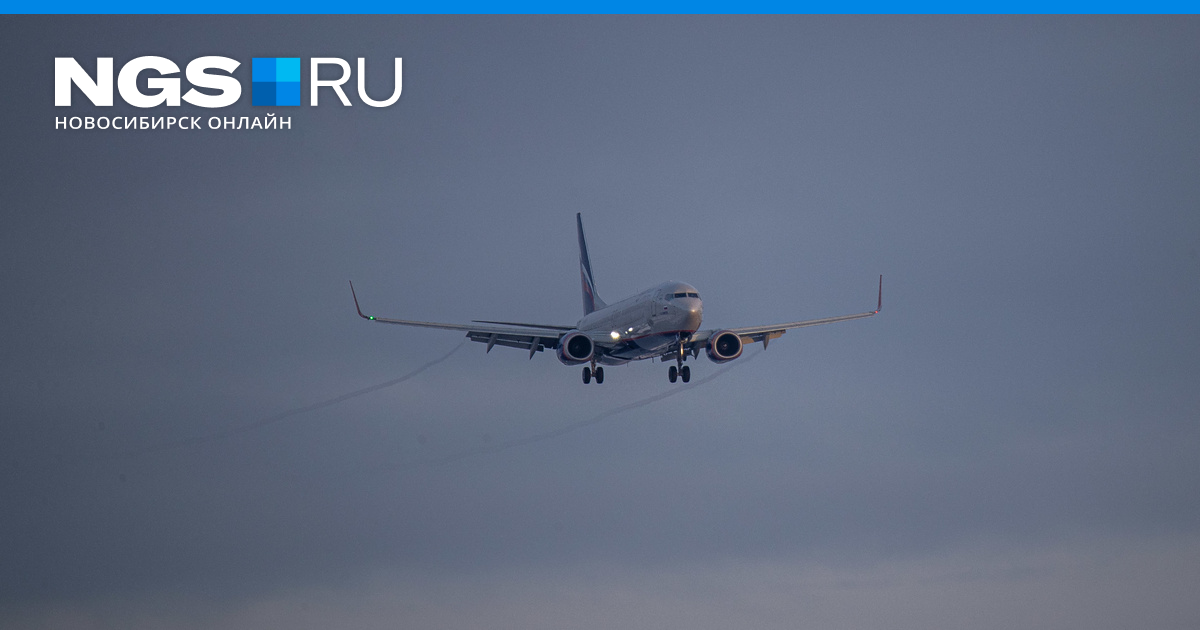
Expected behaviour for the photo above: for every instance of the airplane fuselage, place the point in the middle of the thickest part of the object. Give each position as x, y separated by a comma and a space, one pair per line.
645, 325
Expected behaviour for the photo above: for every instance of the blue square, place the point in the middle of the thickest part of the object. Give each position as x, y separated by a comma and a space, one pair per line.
264, 69
263, 92
287, 69
287, 93
276, 81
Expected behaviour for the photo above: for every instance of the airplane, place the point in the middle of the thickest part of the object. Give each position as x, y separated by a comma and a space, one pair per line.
662, 322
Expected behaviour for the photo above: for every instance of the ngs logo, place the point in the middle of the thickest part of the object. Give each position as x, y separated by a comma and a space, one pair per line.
275, 81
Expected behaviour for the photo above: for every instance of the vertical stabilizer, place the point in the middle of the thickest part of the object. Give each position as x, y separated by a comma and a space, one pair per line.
591, 301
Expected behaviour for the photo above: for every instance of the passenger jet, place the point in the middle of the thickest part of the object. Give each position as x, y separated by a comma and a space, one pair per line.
662, 322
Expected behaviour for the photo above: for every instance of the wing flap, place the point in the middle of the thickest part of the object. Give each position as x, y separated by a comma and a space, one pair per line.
522, 325
513, 340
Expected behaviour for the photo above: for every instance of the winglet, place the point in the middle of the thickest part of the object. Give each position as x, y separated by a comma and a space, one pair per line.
879, 305
360, 313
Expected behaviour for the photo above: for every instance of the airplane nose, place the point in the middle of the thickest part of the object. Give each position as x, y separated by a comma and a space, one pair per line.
694, 316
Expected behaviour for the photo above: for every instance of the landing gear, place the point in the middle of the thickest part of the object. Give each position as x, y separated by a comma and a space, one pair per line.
679, 370
590, 372
682, 373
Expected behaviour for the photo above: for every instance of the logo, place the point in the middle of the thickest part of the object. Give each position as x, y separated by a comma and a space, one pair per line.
276, 81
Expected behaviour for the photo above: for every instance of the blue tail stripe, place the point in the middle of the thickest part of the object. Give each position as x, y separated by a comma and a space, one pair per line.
585, 271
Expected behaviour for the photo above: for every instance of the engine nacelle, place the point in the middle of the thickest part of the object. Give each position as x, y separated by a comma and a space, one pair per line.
575, 348
723, 346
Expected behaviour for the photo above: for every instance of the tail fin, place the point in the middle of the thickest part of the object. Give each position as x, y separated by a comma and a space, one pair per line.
591, 301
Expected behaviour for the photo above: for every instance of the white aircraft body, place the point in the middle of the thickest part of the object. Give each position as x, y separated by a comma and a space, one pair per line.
662, 322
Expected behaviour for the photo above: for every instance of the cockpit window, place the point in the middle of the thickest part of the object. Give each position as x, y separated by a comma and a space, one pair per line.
671, 296
695, 295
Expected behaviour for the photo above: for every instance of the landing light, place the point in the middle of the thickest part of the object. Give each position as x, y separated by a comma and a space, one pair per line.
614, 334
630, 330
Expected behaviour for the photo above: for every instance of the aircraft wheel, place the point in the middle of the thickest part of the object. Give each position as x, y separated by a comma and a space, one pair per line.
599, 374
685, 373
672, 373
587, 376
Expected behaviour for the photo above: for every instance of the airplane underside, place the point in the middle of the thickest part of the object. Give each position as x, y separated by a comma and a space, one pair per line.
648, 347
663, 345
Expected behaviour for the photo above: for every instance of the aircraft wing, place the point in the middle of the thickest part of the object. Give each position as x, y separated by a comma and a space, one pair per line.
531, 337
751, 334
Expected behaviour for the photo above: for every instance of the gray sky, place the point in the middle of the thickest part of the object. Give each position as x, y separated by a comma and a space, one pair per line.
1011, 443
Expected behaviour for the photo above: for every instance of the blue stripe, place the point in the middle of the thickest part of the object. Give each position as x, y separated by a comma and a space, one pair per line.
627, 6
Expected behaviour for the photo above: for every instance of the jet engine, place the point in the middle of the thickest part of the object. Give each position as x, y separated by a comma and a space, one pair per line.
723, 346
575, 348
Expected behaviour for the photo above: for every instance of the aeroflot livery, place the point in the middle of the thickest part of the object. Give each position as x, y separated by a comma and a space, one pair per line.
662, 322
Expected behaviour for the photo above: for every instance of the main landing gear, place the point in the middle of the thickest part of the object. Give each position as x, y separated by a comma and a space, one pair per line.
684, 373
589, 372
